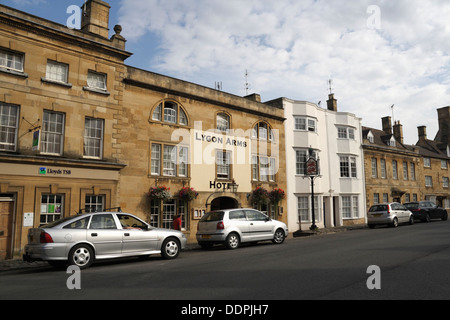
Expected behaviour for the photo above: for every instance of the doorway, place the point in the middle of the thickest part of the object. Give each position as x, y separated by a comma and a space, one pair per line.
223, 203
6, 226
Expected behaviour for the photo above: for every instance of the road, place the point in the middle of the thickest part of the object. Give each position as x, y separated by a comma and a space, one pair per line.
413, 262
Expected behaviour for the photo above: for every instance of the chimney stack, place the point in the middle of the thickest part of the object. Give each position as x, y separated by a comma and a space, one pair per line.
95, 18
398, 132
443, 134
422, 132
387, 125
332, 102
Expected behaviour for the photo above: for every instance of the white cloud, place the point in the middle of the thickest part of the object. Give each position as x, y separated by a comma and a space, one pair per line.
291, 48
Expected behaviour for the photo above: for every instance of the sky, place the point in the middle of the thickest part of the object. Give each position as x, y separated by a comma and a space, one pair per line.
378, 53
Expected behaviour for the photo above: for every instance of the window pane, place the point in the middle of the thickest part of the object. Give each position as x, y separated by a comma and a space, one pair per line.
96, 80
52, 133
56, 71
156, 159
8, 127
93, 137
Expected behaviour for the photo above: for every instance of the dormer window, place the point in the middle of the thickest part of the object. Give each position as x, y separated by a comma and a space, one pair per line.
370, 137
391, 142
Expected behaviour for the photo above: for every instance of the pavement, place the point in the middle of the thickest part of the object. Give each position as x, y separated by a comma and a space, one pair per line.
18, 264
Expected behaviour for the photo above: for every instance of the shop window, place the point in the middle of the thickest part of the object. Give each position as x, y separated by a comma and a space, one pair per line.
163, 218
51, 208
52, 134
9, 117
93, 138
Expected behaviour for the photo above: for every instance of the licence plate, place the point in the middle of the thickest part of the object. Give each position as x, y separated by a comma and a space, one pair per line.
377, 215
206, 236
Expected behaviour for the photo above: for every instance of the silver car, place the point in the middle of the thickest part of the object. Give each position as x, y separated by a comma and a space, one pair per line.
79, 240
389, 214
235, 226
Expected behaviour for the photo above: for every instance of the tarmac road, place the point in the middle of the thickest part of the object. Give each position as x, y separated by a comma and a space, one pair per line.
412, 263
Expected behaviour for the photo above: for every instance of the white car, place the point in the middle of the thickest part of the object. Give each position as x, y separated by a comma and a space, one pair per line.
235, 226
389, 214
79, 240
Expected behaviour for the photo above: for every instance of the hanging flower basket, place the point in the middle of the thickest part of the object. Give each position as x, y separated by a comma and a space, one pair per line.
159, 193
276, 195
187, 194
260, 195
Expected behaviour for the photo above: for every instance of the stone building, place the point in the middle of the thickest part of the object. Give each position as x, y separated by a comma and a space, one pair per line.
181, 135
397, 172
82, 131
61, 93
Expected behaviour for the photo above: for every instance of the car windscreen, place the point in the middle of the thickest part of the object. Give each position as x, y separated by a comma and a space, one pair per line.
213, 216
410, 206
380, 207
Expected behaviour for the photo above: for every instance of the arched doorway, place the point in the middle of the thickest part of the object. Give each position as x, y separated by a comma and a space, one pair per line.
222, 203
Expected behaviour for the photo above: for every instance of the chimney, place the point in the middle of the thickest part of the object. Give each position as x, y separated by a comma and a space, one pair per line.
332, 102
254, 97
422, 132
398, 132
443, 134
95, 18
387, 125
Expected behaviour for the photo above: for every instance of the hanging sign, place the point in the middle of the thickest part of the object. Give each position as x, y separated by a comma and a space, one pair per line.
312, 167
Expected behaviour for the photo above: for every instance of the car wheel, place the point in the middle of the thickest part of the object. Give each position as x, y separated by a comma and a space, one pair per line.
427, 218
278, 237
232, 241
411, 220
445, 216
395, 223
170, 248
81, 256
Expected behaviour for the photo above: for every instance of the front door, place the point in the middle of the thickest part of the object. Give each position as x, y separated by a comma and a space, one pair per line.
6, 221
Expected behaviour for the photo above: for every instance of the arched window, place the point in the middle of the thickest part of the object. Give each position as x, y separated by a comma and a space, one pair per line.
170, 112
263, 131
223, 122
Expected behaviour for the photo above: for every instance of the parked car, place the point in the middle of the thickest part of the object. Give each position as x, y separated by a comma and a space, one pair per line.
426, 210
389, 214
82, 239
235, 226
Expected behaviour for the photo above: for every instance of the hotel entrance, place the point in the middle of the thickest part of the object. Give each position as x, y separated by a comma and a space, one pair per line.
223, 203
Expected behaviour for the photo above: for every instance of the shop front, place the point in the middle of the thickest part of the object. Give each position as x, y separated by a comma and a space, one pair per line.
35, 191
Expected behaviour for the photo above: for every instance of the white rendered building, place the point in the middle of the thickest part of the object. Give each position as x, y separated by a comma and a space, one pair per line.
335, 139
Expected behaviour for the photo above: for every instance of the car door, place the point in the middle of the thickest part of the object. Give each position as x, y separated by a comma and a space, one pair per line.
104, 235
136, 235
404, 212
239, 221
260, 227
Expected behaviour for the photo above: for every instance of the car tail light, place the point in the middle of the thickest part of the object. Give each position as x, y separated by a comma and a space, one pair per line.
388, 210
46, 238
220, 225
